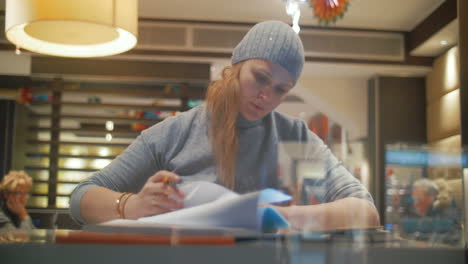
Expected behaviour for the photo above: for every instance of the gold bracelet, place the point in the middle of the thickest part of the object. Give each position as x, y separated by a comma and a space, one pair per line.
118, 202
124, 202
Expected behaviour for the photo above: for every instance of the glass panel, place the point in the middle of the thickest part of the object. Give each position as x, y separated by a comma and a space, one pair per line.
38, 201
65, 188
62, 202
40, 188
423, 193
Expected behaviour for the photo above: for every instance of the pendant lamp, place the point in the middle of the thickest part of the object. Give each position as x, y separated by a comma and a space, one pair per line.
72, 28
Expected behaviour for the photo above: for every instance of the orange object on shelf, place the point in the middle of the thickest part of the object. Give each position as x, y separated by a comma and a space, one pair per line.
139, 126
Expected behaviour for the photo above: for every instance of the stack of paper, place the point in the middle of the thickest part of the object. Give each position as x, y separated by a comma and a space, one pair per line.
209, 205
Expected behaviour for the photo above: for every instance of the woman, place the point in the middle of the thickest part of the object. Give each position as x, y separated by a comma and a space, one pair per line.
231, 140
14, 190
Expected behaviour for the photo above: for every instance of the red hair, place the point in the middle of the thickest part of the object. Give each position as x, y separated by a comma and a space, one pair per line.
222, 101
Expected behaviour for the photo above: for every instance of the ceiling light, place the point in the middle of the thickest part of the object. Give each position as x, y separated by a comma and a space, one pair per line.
292, 9
443, 42
70, 28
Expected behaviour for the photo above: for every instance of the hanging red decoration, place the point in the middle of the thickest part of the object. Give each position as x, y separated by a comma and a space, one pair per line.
329, 11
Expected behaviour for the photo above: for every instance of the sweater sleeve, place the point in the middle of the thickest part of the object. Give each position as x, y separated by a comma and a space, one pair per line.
338, 182
130, 170
6, 225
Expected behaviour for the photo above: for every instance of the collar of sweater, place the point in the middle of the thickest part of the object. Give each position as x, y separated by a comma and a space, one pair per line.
242, 122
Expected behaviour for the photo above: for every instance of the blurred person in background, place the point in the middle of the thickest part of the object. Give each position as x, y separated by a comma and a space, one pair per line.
14, 195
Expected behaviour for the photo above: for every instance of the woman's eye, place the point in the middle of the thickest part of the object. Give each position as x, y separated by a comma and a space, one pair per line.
280, 90
261, 79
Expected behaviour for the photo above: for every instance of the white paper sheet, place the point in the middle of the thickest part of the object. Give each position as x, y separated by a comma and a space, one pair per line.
209, 205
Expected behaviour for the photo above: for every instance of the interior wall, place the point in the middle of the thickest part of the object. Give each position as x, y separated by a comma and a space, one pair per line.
443, 101
15, 64
343, 100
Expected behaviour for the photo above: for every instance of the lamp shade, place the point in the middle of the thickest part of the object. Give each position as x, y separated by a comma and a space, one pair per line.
72, 28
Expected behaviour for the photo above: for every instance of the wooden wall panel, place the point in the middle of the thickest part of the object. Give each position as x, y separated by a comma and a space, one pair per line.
449, 143
443, 117
444, 77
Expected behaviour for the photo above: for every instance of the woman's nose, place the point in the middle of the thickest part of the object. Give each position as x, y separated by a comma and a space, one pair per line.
263, 93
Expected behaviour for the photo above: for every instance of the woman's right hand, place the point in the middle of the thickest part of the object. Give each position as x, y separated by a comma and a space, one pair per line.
17, 207
156, 197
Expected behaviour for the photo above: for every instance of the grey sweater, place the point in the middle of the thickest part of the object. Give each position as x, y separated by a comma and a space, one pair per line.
180, 144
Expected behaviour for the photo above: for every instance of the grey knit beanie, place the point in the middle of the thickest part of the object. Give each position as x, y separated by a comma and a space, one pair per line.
274, 41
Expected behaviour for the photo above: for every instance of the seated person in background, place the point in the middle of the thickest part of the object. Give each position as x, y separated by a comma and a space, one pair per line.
232, 140
14, 194
434, 211
432, 198
424, 195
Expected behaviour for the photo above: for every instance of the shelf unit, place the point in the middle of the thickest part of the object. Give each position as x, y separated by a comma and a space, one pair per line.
64, 139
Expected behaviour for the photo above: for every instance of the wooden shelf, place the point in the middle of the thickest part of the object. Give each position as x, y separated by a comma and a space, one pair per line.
62, 169
99, 117
45, 155
66, 129
104, 105
90, 132
197, 94
156, 91
86, 119
56, 182
76, 143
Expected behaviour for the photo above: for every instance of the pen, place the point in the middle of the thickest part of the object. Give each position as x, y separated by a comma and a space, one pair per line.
171, 183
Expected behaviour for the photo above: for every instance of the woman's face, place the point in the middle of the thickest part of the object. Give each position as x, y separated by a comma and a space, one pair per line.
422, 200
263, 86
20, 194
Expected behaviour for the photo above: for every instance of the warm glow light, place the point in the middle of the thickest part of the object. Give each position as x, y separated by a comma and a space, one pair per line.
109, 125
103, 152
451, 70
108, 137
40, 188
38, 201
73, 176
62, 202
450, 110
70, 28
42, 175
74, 163
75, 151
124, 42
65, 188
100, 163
